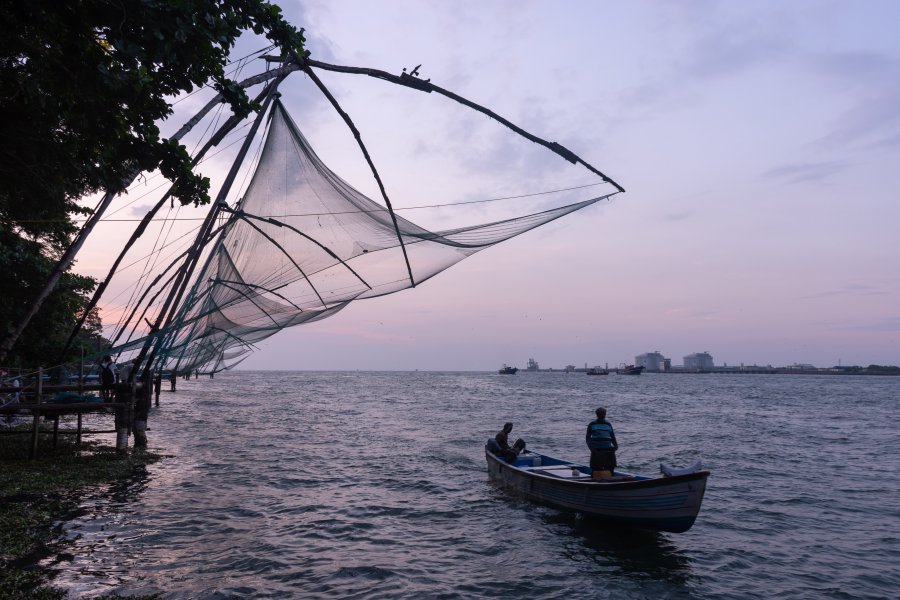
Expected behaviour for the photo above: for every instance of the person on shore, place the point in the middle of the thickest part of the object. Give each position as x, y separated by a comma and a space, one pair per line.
16, 382
173, 377
501, 447
157, 386
601, 439
107, 377
141, 413
126, 419
11, 382
125, 372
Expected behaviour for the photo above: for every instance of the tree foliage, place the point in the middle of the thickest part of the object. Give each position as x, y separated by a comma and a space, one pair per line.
25, 268
83, 84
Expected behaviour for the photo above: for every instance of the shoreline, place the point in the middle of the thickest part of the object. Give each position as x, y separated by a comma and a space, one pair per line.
740, 371
37, 493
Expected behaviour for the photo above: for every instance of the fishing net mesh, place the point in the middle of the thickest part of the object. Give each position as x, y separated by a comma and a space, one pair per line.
299, 246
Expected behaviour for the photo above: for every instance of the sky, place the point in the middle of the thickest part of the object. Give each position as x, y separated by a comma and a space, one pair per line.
758, 144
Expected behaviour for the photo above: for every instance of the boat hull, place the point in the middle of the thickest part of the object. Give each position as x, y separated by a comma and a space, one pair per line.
658, 504
630, 370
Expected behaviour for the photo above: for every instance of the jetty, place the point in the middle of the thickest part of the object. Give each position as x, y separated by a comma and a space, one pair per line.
43, 402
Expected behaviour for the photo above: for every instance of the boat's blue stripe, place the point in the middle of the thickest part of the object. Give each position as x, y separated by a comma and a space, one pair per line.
639, 500
668, 502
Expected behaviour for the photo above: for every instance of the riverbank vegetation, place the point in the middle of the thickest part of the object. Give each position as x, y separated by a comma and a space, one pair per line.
38, 496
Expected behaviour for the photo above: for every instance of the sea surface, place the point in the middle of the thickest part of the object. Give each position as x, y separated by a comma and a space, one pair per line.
374, 485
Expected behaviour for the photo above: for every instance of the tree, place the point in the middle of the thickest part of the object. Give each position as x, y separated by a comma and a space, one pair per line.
83, 85
26, 267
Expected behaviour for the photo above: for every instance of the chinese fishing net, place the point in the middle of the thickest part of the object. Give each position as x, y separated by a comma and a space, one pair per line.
300, 246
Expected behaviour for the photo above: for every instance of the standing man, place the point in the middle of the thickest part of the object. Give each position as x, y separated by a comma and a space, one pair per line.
141, 413
107, 378
157, 385
125, 372
601, 439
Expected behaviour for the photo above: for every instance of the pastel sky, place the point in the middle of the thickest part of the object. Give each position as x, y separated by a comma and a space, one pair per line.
758, 142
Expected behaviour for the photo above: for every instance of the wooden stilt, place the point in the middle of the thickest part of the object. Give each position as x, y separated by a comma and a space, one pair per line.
34, 433
37, 413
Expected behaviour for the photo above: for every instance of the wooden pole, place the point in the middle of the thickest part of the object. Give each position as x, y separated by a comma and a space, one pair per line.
78, 436
130, 419
425, 85
36, 414
81, 374
36, 422
359, 142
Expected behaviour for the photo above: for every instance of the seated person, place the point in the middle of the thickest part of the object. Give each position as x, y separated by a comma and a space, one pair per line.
500, 444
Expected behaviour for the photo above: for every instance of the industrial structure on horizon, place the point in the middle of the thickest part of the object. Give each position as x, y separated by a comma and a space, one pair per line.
702, 362
656, 362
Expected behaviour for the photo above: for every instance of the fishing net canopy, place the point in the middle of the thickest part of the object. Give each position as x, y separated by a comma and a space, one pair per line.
300, 245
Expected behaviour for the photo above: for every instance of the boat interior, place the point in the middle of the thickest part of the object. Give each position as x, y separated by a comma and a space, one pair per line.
563, 469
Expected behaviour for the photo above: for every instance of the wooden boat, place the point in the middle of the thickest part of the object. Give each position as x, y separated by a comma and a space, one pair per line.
505, 370
630, 370
597, 371
624, 500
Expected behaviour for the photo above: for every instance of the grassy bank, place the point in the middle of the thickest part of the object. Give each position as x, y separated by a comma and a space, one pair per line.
37, 495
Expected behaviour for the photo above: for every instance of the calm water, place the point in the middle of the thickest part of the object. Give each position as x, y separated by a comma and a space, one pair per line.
374, 485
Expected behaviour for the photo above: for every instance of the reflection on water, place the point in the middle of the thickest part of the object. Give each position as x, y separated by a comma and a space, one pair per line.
105, 518
632, 553
374, 485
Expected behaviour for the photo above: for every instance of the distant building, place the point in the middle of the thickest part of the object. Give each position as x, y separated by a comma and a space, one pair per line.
802, 367
699, 360
532, 365
652, 361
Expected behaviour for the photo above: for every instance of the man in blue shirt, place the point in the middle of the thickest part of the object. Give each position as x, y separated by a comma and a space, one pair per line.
601, 439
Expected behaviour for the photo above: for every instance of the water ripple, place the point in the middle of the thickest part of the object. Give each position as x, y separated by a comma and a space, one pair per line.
373, 485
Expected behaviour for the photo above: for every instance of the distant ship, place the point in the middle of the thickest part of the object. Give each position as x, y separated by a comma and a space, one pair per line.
629, 370
505, 370
597, 371
532, 365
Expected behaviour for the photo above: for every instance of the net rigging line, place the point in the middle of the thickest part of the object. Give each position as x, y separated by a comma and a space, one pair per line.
167, 225
405, 208
241, 64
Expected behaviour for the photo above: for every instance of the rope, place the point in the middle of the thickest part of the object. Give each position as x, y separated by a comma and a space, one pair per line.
423, 206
